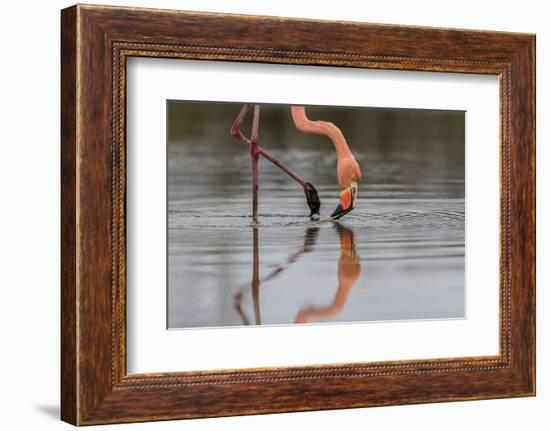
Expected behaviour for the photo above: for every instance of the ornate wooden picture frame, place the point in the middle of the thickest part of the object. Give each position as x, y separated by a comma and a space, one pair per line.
96, 41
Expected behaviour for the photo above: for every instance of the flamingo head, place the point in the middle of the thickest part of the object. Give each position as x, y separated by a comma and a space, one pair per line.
348, 197
349, 175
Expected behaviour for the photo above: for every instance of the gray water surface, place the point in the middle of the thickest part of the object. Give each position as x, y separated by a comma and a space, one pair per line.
398, 255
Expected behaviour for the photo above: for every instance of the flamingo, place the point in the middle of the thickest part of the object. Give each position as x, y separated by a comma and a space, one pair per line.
349, 271
347, 170
309, 241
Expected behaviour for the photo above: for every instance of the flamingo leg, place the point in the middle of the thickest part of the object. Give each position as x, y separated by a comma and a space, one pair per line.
310, 239
237, 304
311, 193
254, 156
255, 285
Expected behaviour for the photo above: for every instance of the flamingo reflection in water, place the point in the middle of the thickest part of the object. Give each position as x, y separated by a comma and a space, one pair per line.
349, 271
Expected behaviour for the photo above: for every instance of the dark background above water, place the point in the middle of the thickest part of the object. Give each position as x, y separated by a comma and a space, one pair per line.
432, 138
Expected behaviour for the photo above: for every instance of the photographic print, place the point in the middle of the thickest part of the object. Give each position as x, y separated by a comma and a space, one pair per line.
264, 212
281, 215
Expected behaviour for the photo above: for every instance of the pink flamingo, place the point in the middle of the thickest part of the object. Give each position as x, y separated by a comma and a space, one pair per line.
349, 271
348, 171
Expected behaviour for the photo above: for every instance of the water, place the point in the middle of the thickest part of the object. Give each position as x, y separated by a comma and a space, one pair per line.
398, 255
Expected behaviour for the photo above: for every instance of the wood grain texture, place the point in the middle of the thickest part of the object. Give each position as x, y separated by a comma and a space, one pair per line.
96, 41
68, 218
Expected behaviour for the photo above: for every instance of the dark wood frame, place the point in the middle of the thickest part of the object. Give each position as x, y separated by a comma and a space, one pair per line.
95, 43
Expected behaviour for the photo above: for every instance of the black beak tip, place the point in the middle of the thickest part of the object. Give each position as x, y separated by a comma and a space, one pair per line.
313, 200
340, 212
337, 212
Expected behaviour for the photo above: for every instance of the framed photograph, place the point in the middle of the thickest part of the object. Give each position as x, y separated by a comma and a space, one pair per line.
264, 215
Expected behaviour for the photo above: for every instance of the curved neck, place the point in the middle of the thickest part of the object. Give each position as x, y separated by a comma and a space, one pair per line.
305, 125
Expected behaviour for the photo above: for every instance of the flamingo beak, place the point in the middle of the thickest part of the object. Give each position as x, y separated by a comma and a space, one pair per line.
313, 200
348, 197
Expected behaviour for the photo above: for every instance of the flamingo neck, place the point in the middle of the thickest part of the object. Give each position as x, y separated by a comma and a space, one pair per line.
305, 125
